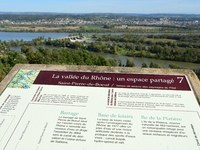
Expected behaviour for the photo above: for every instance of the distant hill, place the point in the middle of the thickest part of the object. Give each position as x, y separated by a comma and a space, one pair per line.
34, 16
36, 13
125, 14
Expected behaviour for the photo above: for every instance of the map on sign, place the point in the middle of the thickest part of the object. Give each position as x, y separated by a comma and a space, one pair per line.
24, 79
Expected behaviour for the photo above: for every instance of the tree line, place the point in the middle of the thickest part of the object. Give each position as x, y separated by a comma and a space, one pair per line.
63, 56
104, 29
96, 16
78, 53
184, 48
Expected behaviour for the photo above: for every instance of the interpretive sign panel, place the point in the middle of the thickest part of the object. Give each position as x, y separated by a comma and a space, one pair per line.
48, 110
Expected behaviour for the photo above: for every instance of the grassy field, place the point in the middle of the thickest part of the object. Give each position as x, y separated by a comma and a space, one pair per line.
43, 28
10, 29
88, 36
40, 28
138, 27
122, 52
92, 27
143, 27
160, 40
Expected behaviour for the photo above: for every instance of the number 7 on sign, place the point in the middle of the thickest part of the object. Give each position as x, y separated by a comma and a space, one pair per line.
181, 79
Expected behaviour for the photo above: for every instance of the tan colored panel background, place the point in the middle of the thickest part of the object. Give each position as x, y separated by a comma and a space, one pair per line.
193, 79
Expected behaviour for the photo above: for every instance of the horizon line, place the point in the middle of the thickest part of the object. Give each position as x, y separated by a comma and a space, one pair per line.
102, 13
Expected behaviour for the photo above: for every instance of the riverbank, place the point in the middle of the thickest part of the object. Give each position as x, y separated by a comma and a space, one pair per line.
29, 36
130, 46
137, 60
76, 39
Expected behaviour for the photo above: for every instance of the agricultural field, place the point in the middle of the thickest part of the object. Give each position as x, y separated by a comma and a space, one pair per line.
49, 29
40, 28
92, 27
161, 40
138, 27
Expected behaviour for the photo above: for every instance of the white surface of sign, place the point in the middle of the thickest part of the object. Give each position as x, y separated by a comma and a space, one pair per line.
50, 110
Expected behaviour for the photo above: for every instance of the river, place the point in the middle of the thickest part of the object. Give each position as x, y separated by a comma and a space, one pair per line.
6, 36
164, 63
137, 60
28, 36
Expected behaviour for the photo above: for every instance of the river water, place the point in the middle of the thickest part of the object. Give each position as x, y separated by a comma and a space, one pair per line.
6, 36
28, 36
137, 60
164, 63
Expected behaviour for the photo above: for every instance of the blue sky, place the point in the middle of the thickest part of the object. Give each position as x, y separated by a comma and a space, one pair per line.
102, 6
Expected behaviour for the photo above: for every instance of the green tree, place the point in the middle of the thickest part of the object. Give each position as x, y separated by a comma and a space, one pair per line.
174, 66
3, 71
24, 49
144, 65
112, 62
129, 63
35, 57
114, 49
16, 58
154, 65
